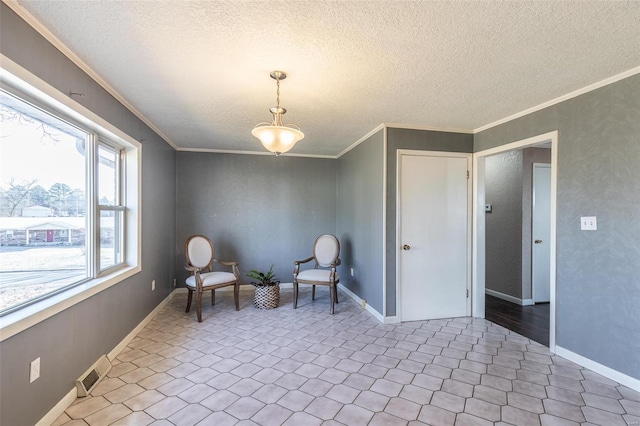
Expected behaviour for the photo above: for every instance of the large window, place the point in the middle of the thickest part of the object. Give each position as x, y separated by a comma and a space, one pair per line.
65, 211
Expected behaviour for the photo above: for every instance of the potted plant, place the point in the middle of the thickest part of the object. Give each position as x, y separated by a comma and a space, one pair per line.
267, 295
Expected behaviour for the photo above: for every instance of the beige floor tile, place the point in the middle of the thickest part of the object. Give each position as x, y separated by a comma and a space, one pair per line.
307, 367
108, 415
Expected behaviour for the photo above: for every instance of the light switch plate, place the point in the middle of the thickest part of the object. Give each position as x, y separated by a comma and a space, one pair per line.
34, 370
588, 223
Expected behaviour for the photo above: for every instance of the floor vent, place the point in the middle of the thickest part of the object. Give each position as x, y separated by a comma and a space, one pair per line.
90, 379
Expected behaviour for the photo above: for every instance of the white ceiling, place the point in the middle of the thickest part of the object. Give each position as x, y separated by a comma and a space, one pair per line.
199, 70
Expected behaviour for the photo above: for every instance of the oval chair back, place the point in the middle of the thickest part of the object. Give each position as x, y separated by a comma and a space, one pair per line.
326, 250
199, 251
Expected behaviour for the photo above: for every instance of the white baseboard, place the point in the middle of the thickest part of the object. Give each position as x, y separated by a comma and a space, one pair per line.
59, 408
508, 298
129, 337
392, 320
603, 370
368, 307
71, 396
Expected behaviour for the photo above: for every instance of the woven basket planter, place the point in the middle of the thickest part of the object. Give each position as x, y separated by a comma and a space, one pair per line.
267, 297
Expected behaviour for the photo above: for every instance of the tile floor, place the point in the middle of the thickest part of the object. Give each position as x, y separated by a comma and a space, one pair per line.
306, 367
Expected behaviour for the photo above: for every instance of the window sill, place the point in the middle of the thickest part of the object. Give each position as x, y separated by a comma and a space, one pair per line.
20, 320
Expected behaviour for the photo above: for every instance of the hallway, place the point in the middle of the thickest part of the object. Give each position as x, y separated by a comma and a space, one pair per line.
529, 321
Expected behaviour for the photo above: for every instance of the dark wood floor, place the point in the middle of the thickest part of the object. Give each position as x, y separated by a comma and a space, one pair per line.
530, 321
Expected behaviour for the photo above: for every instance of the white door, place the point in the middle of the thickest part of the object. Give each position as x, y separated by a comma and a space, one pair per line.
541, 233
433, 236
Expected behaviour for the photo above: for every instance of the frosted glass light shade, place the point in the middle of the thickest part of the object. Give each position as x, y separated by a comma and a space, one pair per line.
277, 139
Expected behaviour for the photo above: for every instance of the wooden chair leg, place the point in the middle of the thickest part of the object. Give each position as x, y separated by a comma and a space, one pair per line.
295, 295
189, 298
199, 305
332, 290
336, 292
236, 295
213, 297
313, 293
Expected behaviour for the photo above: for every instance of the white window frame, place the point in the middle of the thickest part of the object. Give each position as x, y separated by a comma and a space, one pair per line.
16, 78
119, 206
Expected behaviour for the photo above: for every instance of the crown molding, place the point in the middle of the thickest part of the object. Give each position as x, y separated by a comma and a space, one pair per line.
58, 44
428, 128
271, 154
362, 139
575, 93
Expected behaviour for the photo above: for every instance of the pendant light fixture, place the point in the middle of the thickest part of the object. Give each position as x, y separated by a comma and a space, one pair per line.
276, 136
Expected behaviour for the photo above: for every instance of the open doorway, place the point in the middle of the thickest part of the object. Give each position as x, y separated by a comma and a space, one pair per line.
514, 236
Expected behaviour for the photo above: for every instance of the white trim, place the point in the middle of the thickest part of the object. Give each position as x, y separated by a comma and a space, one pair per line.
71, 396
603, 370
58, 44
59, 408
230, 151
362, 139
129, 337
535, 169
428, 128
523, 143
368, 307
570, 95
13, 75
469, 275
478, 280
478, 261
392, 320
509, 298
26, 81
20, 320
400, 126
384, 222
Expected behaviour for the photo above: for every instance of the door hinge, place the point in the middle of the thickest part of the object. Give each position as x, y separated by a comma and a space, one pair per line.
467, 293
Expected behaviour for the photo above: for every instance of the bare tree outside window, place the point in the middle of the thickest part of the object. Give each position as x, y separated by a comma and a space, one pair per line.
42, 203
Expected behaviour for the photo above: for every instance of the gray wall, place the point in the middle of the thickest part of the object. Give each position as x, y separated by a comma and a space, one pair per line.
503, 226
598, 272
529, 156
69, 342
359, 225
425, 140
258, 210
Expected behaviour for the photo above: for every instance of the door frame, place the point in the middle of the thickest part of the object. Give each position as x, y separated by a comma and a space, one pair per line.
469, 158
533, 251
479, 260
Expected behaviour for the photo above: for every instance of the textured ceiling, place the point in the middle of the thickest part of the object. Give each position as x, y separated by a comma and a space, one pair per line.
199, 70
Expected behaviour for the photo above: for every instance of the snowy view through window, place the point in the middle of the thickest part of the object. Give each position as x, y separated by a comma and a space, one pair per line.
43, 204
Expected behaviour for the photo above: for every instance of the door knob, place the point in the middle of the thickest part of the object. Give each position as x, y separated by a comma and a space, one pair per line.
406, 247
538, 241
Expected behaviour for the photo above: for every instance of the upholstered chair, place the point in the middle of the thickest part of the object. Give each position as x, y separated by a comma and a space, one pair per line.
200, 256
326, 252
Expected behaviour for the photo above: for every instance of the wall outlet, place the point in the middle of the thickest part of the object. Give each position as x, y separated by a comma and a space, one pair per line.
364, 303
353, 273
588, 223
34, 371
174, 282
153, 285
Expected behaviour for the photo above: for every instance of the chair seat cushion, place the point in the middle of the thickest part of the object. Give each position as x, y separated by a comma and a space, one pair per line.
211, 278
321, 275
